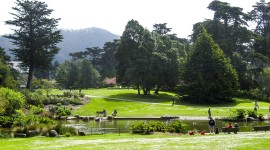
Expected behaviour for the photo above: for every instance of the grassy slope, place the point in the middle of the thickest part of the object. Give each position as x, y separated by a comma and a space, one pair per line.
239, 141
147, 106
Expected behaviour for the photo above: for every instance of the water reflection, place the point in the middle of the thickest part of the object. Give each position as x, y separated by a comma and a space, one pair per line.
124, 125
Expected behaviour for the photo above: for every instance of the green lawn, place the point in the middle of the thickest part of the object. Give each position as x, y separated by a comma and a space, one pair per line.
129, 104
241, 141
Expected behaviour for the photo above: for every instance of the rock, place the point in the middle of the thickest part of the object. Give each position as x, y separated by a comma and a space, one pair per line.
251, 119
81, 133
19, 135
53, 133
31, 133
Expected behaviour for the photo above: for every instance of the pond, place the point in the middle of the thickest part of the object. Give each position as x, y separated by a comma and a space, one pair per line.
123, 126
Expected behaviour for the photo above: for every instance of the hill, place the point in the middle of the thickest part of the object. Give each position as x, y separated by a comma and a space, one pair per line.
74, 41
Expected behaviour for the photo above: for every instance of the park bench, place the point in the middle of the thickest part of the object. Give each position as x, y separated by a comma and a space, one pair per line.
229, 130
261, 128
104, 113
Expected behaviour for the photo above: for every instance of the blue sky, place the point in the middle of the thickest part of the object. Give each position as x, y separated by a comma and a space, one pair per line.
113, 15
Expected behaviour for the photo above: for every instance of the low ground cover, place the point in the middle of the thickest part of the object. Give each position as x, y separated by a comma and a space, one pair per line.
164, 141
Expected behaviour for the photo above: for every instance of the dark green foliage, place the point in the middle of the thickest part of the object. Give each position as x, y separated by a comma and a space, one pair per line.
208, 75
134, 57
60, 110
3, 57
35, 35
242, 114
6, 73
77, 74
260, 14
6, 79
4, 134
6, 121
168, 59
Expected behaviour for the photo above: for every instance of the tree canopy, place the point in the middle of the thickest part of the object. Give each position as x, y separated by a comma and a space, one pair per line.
208, 74
35, 35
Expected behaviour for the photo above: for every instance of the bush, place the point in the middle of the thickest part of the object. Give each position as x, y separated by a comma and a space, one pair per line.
240, 113
4, 135
6, 121
67, 94
141, 127
36, 110
60, 111
10, 101
252, 113
65, 130
157, 126
148, 127
177, 127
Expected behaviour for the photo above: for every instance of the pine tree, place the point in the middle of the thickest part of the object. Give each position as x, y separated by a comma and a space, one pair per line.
208, 74
35, 35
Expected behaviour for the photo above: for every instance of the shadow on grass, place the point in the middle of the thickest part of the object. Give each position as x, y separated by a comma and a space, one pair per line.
160, 98
167, 99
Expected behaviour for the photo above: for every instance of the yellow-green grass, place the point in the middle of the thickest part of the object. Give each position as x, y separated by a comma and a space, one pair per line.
129, 104
241, 141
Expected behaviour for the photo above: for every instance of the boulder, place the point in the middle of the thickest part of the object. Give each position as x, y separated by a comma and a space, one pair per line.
19, 135
53, 133
81, 133
31, 133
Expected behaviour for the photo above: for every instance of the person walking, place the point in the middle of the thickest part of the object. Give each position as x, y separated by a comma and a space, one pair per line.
173, 101
209, 113
256, 106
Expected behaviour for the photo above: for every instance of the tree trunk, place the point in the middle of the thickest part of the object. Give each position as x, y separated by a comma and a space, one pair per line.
157, 89
146, 91
139, 92
30, 77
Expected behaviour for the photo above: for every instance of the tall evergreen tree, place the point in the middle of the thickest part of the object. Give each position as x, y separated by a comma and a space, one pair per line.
208, 74
261, 16
35, 35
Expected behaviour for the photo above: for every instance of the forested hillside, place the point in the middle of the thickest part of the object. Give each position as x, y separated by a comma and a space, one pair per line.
74, 41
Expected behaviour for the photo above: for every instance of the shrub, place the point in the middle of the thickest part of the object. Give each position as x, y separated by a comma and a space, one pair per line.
60, 111
240, 113
141, 127
4, 134
252, 113
36, 110
148, 127
157, 126
65, 130
75, 101
6, 121
67, 94
10, 101
177, 127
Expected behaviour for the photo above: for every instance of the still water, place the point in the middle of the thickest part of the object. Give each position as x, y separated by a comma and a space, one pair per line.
123, 126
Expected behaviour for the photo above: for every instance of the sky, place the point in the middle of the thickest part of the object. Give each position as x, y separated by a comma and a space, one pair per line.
113, 15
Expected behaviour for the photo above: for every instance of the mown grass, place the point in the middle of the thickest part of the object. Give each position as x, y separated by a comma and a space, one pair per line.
161, 141
129, 104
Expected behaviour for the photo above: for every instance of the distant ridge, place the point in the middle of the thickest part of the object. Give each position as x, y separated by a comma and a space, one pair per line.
74, 41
